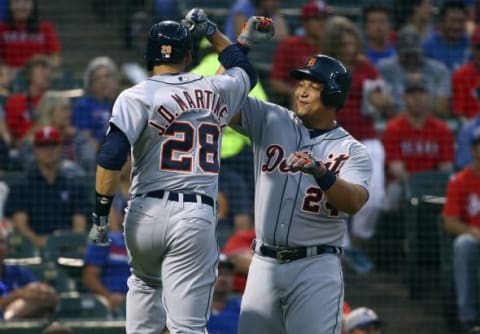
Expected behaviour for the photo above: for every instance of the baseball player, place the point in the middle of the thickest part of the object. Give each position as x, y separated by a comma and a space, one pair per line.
172, 123
310, 175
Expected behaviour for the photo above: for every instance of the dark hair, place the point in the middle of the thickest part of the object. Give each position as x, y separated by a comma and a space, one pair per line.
374, 7
33, 21
451, 4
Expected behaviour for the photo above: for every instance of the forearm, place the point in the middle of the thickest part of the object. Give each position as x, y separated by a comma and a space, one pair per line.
93, 283
219, 41
79, 223
20, 221
281, 87
107, 181
346, 197
455, 226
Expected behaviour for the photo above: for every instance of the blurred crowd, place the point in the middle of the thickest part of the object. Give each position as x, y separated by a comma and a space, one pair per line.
414, 103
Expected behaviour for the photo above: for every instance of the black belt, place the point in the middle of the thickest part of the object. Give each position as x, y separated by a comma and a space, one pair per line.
283, 255
173, 196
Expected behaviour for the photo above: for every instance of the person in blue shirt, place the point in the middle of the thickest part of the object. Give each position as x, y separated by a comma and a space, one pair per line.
22, 296
226, 306
450, 44
377, 27
463, 153
92, 111
106, 269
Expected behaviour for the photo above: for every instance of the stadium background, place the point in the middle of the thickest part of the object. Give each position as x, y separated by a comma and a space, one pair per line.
411, 288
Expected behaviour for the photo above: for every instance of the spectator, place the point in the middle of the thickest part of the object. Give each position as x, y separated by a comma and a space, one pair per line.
24, 35
449, 44
377, 25
416, 14
342, 40
44, 200
415, 141
106, 268
4, 83
313, 17
4, 142
461, 215
225, 306
410, 60
78, 148
463, 154
243, 9
239, 251
362, 320
22, 296
20, 109
466, 84
102, 85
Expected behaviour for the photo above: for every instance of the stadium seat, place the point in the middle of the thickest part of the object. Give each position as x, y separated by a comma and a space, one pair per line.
54, 275
74, 305
20, 250
66, 247
425, 198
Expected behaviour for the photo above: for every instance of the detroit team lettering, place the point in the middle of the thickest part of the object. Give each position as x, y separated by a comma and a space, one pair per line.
199, 100
276, 159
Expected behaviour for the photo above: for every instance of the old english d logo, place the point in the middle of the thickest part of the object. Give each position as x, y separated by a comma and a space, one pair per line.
311, 62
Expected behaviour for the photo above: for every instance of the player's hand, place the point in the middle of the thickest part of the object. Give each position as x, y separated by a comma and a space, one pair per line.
99, 231
304, 161
198, 23
256, 30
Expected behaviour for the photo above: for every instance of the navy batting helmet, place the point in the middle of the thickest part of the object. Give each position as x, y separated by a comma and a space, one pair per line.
332, 73
168, 42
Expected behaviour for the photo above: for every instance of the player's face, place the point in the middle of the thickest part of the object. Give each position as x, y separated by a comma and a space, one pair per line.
307, 99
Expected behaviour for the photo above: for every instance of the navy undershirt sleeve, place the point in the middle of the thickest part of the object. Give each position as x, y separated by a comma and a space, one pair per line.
233, 56
114, 150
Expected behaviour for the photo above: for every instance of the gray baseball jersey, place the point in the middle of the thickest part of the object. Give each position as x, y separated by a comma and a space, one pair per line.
305, 295
174, 124
290, 209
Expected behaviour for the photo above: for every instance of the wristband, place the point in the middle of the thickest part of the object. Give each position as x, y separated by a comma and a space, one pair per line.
102, 204
327, 180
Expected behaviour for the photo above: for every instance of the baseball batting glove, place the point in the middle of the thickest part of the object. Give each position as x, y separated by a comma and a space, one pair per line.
303, 161
198, 23
256, 30
99, 231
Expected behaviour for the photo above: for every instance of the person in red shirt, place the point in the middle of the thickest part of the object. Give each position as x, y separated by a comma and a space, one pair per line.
461, 216
238, 250
24, 35
313, 17
20, 108
466, 84
342, 40
415, 141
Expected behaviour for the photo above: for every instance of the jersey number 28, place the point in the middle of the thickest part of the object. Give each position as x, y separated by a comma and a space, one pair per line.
178, 153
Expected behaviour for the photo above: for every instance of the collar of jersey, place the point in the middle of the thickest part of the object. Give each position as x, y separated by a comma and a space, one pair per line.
318, 132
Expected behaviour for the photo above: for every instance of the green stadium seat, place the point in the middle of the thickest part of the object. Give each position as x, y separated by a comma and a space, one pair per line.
425, 198
74, 305
54, 275
66, 247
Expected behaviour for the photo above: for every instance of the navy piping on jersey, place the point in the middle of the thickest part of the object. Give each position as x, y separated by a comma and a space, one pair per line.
281, 199
114, 151
176, 84
339, 297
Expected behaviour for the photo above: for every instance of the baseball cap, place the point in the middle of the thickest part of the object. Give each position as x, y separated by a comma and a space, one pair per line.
314, 9
47, 135
224, 262
415, 81
360, 317
408, 41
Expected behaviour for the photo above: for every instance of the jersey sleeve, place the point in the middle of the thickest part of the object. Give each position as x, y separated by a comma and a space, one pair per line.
130, 114
233, 85
95, 255
453, 205
358, 168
